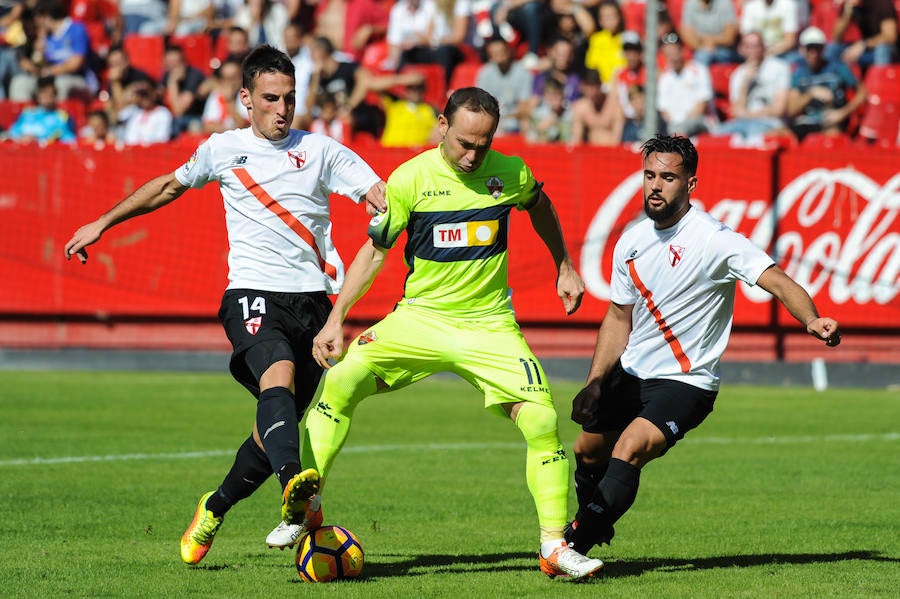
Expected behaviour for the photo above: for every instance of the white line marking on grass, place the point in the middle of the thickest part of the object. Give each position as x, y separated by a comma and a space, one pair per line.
861, 438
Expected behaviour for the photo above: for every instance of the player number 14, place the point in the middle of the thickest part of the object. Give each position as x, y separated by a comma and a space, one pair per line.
258, 306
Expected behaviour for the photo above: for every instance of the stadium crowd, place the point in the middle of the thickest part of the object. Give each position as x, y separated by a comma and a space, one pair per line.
139, 72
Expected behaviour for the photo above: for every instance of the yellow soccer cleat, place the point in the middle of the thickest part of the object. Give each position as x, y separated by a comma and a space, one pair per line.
298, 494
199, 536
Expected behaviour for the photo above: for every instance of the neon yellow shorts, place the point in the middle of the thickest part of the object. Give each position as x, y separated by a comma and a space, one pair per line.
410, 344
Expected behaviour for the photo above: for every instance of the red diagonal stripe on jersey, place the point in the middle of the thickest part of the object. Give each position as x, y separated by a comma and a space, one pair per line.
289, 219
671, 339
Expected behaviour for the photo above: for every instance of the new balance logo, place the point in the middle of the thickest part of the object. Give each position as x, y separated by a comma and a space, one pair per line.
238, 160
674, 427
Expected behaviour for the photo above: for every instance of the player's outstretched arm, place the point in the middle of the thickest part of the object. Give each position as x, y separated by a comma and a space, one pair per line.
148, 197
611, 341
569, 286
800, 305
329, 342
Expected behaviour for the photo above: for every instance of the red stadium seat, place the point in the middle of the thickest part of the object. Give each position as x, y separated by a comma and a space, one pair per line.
145, 52
882, 108
674, 7
198, 50
824, 14
435, 82
720, 74
464, 75
9, 112
634, 13
374, 56
77, 110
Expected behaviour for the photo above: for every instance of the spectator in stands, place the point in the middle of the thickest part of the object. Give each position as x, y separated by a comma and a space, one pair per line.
562, 69
297, 43
685, 93
12, 36
778, 22
595, 119
328, 122
45, 122
409, 33
576, 24
877, 24
351, 25
533, 19
709, 29
551, 119
189, 16
120, 76
628, 88
264, 21
149, 122
604, 52
223, 15
449, 33
820, 97
426, 32
144, 17
103, 22
410, 121
509, 81
237, 44
481, 24
97, 132
757, 91
65, 56
223, 109
182, 91
349, 83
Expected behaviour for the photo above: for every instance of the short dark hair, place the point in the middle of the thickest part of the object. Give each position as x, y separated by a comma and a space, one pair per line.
324, 44
473, 99
673, 144
46, 81
100, 114
265, 59
54, 9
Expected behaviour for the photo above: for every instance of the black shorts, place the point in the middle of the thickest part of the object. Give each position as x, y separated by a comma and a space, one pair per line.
277, 326
674, 407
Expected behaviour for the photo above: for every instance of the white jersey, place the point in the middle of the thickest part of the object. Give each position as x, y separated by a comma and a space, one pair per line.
681, 282
276, 205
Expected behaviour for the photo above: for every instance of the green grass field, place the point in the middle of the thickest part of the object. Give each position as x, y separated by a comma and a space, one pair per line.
780, 493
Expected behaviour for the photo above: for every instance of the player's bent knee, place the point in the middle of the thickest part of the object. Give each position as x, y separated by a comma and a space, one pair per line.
535, 420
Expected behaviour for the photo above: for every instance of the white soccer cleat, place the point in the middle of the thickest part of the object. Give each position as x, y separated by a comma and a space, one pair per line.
566, 562
285, 535
288, 535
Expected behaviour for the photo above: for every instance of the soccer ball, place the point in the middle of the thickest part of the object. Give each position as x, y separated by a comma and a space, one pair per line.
329, 553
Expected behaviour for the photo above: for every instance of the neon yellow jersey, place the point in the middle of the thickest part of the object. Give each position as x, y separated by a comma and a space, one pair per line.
457, 228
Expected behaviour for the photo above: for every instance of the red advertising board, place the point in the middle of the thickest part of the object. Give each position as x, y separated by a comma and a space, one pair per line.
833, 227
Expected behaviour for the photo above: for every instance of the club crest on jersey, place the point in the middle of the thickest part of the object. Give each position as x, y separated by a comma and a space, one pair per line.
367, 337
298, 158
495, 186
253, 324
675, 253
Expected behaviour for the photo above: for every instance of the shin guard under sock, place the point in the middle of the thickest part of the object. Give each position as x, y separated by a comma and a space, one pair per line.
276, 423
